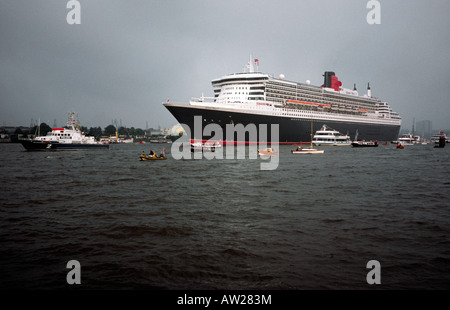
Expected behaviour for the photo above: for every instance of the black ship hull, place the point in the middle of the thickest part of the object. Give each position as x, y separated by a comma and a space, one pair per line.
31, 145
78, 146
291, 130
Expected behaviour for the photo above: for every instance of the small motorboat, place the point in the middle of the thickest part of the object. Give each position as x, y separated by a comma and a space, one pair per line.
204, 147
268, 152
306, 150
153, 157
363, 143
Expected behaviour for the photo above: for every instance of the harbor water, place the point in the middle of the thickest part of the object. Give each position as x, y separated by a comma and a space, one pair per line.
198, 224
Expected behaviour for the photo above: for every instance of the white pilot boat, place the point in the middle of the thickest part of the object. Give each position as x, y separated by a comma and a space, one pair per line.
69, 137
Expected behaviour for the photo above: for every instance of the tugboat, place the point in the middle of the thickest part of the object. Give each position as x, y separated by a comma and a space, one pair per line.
69, 137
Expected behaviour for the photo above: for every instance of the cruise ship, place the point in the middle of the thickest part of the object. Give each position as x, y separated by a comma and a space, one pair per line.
253, 97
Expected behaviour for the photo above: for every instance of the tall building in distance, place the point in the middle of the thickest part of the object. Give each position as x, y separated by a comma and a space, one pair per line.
424, 129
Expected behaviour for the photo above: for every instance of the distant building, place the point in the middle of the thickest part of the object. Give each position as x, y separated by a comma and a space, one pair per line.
11, 130
174, 130
424, 129
12, 134
155, 132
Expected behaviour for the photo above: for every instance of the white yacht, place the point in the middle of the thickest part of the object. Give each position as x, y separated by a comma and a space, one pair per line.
328, 136
406, 139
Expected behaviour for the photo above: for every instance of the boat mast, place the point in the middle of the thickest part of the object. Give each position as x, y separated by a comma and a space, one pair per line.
71, 122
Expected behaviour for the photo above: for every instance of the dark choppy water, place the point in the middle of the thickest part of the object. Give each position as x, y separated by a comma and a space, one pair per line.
313, 223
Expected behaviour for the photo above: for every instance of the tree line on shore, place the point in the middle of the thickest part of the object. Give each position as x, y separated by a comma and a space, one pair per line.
96, 132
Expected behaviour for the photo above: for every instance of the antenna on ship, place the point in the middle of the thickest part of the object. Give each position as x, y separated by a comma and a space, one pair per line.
369, 92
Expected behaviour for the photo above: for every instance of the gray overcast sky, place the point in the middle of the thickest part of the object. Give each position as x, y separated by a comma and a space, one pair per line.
128, 56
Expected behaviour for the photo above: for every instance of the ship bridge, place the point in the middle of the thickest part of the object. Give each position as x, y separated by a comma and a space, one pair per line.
240, 87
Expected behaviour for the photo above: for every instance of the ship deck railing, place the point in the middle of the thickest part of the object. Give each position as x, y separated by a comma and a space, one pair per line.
203, 99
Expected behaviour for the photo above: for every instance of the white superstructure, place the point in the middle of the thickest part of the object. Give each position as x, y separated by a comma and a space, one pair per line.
69, 135
259, 93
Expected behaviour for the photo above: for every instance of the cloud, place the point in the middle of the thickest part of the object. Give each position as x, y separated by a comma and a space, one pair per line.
127, 57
